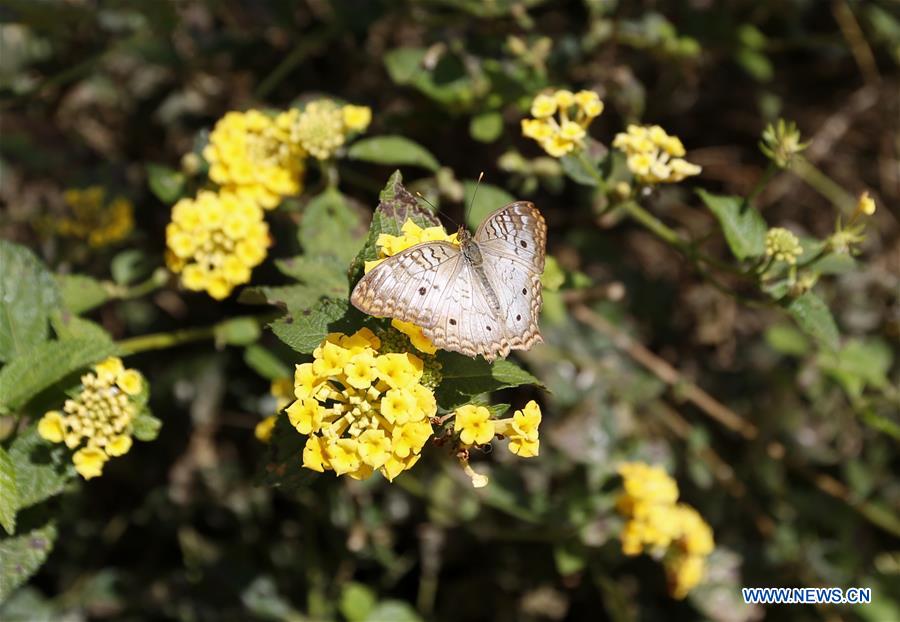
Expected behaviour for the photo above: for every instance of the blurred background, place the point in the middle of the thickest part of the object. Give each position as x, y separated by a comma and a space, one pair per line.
791, 458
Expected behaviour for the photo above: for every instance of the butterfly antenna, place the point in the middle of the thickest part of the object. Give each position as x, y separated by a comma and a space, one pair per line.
472, 200
434, 207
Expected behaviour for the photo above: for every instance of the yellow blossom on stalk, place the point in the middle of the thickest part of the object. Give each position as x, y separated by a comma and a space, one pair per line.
361, 410
356, 118
95, 218
99, 420
658, 524
866, 204
389, 245
653, 156
215, 240
251, 153
323, 126
564, 133
523, 431
473, 424
783, 245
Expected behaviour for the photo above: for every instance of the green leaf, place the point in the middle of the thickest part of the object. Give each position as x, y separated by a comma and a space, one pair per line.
9, 492
331, 227
786, 339
145, 426
570, 558
237, 331
744, 227
393, 150
326, 275
42, 470
130, 265
357, 601
27, 294
858, 364
463, 377
81, 293
266, 364
28, 375
486, 127
393, 611
395, 206
305, 331
167, 184
814, 318
21, 556
447, 81
487, 199
69, 326
575, 170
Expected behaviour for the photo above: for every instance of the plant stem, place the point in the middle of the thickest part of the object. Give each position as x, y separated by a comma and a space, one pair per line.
823, 184
761, 184
125, 292
161, 341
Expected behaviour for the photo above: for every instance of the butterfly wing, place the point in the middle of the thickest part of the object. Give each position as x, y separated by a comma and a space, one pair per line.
432, 286
513, 244
410, 285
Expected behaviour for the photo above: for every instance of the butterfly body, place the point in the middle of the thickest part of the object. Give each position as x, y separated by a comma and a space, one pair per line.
482, 297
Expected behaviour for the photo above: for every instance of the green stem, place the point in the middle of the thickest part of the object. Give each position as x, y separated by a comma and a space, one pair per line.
124, 292
161, 341
823, 184
761, 184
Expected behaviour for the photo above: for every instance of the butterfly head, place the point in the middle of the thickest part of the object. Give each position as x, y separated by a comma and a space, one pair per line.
463, 235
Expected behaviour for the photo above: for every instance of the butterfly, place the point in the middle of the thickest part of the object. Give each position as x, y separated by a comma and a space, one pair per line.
481, 297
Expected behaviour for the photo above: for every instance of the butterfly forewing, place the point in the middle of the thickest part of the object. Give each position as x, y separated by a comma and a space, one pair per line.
487, 308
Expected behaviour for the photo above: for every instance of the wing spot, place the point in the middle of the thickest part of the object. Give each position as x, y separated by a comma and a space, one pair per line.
518, 317
488, 327
422, 291
524, 291
523, 243
452, 322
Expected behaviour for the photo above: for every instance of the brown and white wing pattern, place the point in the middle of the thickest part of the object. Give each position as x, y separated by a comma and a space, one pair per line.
432, 286
513, 244
410, 285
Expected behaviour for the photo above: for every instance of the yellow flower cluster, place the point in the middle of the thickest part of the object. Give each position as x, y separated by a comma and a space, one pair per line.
361, 410
282, 390
252, 154
215, 240
474, 425
323, 126
783, 245
660, 525
94, 218
100, 418
654, 157
561, 120
389, 245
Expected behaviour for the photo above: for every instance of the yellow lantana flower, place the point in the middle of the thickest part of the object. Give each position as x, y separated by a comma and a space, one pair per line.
215, 240
523, 431
361, 410
653, 156
252, 154
94, 217
473, 424
100, 418
658, 524
323, 126
564, 133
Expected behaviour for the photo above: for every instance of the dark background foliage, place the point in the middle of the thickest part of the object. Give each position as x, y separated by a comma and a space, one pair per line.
93, 92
